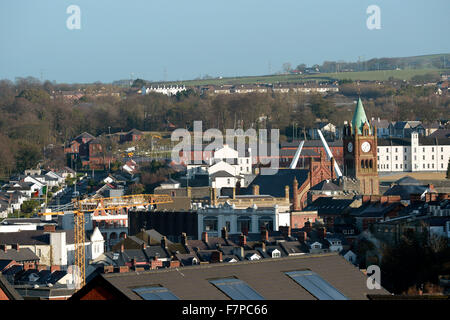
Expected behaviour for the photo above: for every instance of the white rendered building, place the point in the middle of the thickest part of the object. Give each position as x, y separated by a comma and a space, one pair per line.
415, 154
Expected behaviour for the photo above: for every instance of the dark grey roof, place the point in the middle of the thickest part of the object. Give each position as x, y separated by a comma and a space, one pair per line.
274, 184
24, 254
311, 143
266, 276
328, 205
326, 185
408, 181
441, 134
221, 174
8, 289
394, 142
405, 191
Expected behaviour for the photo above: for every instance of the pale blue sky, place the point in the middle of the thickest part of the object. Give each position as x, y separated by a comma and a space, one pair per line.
215, 37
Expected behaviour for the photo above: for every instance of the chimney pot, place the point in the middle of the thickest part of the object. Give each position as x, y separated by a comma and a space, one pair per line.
242, 240
205, 236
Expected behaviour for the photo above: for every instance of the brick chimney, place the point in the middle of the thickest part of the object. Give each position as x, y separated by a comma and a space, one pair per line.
264, 235
205, 236
123, 269
28, 266
295, 195
164, 242
16, 247
49, 228
144, 246
216, 257
225, 233
302, 236
263, 246
234, 193
55, 268
122, 248
174, 264
286, 192
242, 240
285, 231
108, 269
255, 189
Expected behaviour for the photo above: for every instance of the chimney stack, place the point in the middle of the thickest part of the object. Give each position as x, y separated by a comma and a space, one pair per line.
16, 247
3, 247
183, 239
296, 206
286, 192
225, 233
55, 268
242, 240
322, 233
264, 235
164, 242
49, 228
302, 236
122, 248
216, 257
234, 193
205, 236
285, 231
255, 190
263, 246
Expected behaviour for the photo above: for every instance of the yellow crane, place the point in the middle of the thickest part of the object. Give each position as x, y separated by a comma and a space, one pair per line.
81, 207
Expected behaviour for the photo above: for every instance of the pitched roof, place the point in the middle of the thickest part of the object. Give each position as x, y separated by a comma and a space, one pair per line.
8, 289
266, 276
21, 255
274, 184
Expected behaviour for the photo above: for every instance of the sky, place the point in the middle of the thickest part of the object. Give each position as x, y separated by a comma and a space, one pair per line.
181, 39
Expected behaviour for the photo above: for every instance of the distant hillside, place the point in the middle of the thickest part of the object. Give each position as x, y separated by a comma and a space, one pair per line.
377, 69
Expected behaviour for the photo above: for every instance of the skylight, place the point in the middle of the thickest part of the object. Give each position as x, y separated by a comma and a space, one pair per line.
236, 289
155, 293
315, 285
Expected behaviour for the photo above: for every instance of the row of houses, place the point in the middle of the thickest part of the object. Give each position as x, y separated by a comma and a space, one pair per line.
35, 183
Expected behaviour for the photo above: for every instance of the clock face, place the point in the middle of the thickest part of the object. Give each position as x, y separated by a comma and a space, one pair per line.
365, 147
350, 147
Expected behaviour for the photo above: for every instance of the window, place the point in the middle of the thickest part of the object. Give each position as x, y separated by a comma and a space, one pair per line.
396, 157
155, 293
432, 157
210, 224
236, 289
315, 285
228, 181
423, 157
396, 150
387, 157
406, 158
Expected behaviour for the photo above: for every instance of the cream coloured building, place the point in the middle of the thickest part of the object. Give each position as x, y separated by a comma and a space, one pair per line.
413, 154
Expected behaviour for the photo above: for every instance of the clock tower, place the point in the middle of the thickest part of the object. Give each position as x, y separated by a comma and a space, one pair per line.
360, 152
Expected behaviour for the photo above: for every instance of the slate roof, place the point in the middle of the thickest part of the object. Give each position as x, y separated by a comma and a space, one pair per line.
326, 185
8, 289
24, 254
266, 276
221, 174
441, 134
274, 184
405, 191
328, 205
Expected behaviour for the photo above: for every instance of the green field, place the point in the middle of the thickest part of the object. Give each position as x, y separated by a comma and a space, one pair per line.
381, 75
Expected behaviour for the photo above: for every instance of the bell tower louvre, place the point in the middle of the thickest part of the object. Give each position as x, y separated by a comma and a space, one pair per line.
360, 152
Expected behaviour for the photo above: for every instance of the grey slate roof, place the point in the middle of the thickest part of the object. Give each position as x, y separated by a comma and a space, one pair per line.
24, 254
274, 184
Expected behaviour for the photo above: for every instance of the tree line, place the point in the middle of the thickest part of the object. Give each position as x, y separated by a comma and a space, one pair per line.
35, 122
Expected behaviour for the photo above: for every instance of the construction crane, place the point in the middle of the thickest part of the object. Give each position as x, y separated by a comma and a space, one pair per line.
81, 207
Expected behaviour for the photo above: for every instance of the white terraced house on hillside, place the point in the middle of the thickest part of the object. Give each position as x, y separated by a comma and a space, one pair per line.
413, 154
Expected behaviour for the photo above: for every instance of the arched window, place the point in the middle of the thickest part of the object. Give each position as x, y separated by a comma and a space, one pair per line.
371, 164
362, 164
